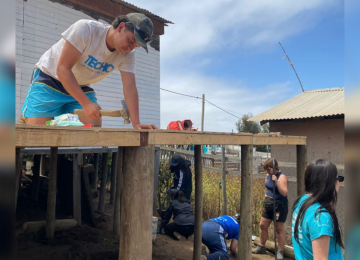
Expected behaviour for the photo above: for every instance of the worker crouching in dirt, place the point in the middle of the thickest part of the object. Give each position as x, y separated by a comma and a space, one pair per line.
214, 233
183, 217
182, 179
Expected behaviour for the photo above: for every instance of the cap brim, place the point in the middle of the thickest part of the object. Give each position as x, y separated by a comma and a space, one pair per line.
140, 41
173, 164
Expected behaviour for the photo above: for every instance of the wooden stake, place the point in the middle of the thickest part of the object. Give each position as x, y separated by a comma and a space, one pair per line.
51, 201
301, 164
96, 171
113, 177
136, 203
36, 177
198, 203
119, 170
18, 174
77, 162
244, 248
224, 203
101, 207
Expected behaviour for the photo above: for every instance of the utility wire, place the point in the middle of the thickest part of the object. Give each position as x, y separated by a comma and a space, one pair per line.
200, 98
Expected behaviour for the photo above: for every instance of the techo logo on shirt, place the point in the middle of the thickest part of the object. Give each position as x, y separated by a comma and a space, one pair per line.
93, 63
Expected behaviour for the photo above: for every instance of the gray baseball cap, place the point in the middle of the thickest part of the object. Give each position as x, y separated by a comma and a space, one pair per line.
143, 29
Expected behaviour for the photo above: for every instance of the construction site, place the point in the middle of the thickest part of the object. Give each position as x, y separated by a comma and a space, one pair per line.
92, 182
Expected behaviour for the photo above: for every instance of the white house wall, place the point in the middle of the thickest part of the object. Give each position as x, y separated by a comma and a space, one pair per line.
39, 24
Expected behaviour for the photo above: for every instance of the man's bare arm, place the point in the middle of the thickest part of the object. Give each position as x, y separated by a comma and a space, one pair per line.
68, 58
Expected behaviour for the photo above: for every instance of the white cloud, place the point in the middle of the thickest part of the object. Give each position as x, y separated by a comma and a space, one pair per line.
236, 98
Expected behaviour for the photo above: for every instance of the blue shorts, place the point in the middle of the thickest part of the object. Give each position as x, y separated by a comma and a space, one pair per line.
47, 97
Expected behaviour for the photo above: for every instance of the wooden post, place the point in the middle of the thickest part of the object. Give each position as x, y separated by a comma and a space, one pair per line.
244, 248
77, 162
42, 165
119, 170
156, 179
198, 203
51, 200
136, 203
301, 164
96, 170
36, 177
113, 177
224, 203
101, 207
18, 170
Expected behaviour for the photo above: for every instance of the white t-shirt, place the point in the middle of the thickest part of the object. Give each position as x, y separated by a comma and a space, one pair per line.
96, 61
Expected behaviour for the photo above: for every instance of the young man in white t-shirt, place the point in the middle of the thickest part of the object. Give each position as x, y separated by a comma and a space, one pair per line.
87, 53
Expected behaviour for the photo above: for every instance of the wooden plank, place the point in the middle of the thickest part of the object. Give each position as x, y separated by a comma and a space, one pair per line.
119, 170
104, 173
96, 171
18, 174
156, 179
244, 248
113, 177
51, 200
301, 163
136, 203
51, 136
224, 204
279, 140
36, 178
198, 203
77, 162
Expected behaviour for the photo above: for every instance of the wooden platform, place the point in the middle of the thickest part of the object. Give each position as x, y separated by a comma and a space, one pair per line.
53, 136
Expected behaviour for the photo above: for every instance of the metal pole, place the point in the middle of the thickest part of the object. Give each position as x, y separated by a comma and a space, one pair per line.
202, 112
274, 208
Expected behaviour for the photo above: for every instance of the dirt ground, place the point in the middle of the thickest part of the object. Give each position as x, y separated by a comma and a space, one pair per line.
87, 243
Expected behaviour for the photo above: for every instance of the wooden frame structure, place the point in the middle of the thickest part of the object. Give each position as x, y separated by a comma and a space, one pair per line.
135, 177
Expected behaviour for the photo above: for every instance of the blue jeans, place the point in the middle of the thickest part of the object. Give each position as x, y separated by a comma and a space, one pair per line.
213, 236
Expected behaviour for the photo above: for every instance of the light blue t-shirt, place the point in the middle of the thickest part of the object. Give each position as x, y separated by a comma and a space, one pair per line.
230, 225
312, 227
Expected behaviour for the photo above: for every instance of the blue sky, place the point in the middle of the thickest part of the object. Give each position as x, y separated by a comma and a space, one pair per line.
229, 51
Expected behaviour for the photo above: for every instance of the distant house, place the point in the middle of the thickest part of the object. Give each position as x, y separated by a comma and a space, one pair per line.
318, 115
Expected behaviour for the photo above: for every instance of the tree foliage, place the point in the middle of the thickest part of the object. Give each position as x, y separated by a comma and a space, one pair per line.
245, 126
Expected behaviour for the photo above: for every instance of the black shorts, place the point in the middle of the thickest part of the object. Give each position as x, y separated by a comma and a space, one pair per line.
281, 208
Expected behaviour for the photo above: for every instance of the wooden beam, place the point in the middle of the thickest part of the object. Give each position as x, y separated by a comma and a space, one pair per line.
136, 203
96, 171
119, 170
101, 207
51, 200
18, 174
36, 177
77, 162
301, 163
279, 140
54, 136
113, 177
162, 137
198, 203
244, 248
224, 204
156, 179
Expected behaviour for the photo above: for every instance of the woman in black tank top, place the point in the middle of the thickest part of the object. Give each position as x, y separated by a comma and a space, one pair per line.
274, 178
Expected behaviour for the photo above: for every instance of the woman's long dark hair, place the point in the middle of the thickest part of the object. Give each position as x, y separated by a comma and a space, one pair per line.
320, 181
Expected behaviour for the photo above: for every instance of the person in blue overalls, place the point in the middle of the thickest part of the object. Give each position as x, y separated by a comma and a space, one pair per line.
279, 179
214, 233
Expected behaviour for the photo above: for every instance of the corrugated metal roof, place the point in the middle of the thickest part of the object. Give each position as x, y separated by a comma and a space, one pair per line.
309, 104
141, 10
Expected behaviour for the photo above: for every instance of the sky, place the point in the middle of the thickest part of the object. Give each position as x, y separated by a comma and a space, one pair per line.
229, 50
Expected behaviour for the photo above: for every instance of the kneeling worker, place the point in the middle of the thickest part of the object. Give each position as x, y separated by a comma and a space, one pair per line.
214, 233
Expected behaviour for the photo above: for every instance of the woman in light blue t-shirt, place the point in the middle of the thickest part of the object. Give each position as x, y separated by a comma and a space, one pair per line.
316, 232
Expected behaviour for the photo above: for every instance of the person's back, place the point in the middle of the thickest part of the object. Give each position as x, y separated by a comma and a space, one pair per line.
314, 224
183, 213
230, 225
